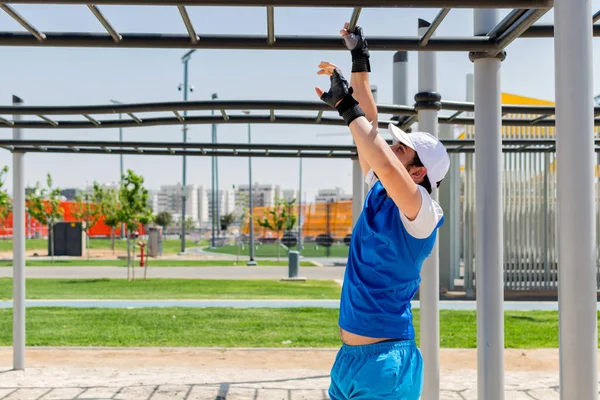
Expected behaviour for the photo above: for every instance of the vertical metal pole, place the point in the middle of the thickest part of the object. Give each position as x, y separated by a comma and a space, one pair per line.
251, 261
546, 224
488, 207
18, 249
429, 294
212, 197
121, 177
300, 209
578, 330
468, 206
183, 193
400, 78
446, 233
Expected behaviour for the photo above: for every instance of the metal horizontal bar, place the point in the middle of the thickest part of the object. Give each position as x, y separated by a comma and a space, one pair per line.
177, 145
235, 119
254, 150
17, 17
270, 25
6, 121
517, 29
92, 120
178, 41
506, 109
547, 31
189, 153
111, 31
506, 23
316, 3
188, 24
192, 106
433, 27
198, 120
48, 120
453, 116
136, 119
354, 19
596, 17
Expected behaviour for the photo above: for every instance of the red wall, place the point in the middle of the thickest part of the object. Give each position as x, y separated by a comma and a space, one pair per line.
100, 229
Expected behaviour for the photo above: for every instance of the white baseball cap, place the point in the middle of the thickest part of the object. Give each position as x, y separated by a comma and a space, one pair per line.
430, 150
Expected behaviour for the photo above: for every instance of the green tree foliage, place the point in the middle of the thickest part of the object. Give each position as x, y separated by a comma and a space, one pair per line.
164, 219
88, 209
278, 218
5, 200
43, 204
134, 208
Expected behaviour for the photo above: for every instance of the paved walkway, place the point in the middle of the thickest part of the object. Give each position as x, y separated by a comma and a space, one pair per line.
250, 374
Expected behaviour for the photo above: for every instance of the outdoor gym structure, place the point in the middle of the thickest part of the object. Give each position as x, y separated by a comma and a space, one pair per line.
574, 119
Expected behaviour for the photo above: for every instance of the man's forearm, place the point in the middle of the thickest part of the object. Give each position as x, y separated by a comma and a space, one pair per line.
360, 82
375, 151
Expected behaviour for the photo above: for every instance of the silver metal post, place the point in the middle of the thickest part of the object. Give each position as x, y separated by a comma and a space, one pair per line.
300, 209
122, 233
576, 236
213, 196
429, 289
185, 59
488, 206
18, 249
251, 261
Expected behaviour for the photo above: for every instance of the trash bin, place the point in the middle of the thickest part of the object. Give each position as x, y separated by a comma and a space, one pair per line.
154, 241
293, 264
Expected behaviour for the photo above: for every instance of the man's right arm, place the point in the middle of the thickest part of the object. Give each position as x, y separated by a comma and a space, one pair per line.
359, 79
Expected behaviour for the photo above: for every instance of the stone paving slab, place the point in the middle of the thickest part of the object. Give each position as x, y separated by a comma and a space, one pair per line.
51, 383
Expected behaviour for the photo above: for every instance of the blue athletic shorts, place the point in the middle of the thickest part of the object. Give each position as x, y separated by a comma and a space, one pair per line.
385, 370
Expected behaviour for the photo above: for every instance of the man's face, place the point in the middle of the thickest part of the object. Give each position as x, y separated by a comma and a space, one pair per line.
406, 155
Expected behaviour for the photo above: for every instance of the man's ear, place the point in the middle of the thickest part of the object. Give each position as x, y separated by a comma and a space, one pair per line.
418, 173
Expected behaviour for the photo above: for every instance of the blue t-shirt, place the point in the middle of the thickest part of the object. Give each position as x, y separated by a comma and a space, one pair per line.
383, 271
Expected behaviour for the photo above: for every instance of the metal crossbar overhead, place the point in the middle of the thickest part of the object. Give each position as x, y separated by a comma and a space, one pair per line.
575, 27
542, 115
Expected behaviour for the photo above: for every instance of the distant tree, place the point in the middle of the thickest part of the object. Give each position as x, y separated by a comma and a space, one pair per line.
5, 200
164, 219
43, 204
134, 209
190, 224
278, 218
88, 209
227, 220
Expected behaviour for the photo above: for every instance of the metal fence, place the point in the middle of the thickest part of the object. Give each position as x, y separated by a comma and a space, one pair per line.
529, 205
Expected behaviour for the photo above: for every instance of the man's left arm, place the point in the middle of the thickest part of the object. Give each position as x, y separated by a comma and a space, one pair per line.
375, 150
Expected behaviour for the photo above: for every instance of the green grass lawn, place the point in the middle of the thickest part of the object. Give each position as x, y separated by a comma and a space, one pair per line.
172, 289
227, 327
83, 262
270, 250
169, 246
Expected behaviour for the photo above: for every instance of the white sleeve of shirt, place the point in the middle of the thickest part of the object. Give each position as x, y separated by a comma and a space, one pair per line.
428, 217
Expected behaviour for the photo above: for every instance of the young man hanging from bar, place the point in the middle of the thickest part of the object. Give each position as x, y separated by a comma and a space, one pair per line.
394, 234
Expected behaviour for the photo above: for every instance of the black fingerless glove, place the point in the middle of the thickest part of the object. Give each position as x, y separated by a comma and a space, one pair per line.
340, 92
359, 49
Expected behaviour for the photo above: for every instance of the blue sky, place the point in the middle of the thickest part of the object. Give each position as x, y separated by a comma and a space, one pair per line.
62, 76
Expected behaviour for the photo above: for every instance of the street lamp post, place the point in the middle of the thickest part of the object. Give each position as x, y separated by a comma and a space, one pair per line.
121, 161
300, 210
186, 57
251, 261
215, 192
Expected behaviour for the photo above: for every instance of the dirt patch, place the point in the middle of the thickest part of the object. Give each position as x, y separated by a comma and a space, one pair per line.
537, 360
